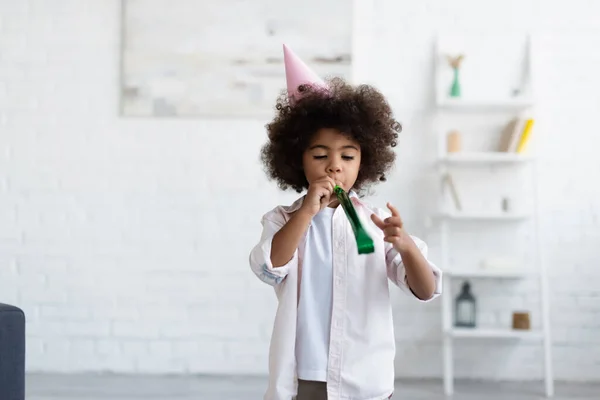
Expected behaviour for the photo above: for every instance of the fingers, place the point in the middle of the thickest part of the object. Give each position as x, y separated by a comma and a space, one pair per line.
324, 193
390, 221
325, 200
377, 221
324, 183
393, 209
396, 221
392, 234
327, 182
391, 226
331, 183
392, 231
391, 239
325, 187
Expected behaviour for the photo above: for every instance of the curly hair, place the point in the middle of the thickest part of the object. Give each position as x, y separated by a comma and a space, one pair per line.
362, 113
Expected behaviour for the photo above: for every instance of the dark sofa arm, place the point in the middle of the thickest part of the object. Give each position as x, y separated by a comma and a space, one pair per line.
12, 353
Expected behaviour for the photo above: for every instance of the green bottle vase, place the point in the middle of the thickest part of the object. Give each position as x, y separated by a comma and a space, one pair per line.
455, 89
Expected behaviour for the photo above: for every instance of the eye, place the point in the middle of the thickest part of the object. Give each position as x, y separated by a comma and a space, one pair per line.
319, 157
348, 158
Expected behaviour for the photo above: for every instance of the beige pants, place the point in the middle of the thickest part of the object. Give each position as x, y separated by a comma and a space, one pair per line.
311, 390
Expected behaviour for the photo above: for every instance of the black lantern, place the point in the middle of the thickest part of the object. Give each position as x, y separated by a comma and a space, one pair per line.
465, 308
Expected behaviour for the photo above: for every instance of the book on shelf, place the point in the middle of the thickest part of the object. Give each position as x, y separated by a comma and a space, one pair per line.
517, 134
525, 136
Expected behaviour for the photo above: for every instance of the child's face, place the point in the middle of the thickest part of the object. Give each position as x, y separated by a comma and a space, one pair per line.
333, 154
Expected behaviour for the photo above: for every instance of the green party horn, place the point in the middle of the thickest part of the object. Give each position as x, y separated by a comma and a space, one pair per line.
363, 240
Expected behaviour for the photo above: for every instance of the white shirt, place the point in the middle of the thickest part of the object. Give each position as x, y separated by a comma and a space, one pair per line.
316, 298
362, 344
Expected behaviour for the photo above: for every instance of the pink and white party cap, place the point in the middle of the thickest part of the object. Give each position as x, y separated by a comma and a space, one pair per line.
298, 73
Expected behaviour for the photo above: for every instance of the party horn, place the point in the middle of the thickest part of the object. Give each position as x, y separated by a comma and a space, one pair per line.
363, 240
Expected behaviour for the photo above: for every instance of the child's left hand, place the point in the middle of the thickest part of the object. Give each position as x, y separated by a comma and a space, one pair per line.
392, 229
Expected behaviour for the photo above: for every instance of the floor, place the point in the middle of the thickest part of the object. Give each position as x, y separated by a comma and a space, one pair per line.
118, 387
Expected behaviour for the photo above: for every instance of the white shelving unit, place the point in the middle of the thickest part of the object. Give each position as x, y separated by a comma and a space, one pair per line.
483, 104
485, 158
493, 334
445, 220
479, 216
488, 273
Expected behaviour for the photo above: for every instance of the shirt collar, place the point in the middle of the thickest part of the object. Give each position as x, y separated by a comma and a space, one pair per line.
298, 203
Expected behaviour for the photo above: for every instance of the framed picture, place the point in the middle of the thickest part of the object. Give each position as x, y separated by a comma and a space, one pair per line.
224, 58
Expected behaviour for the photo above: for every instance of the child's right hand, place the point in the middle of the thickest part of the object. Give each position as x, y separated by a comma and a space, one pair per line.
319, 196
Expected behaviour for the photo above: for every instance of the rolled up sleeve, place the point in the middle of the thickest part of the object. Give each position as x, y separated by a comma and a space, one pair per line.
260, 256
396, 270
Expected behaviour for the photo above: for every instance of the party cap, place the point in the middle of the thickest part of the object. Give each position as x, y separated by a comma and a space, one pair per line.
298, 73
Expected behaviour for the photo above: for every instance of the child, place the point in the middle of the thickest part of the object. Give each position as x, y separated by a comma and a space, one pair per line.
333, 335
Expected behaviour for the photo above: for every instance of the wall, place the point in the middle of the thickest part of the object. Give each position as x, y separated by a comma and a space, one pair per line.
126, 240
566, 87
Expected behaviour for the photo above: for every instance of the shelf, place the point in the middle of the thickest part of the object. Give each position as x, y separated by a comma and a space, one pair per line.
483, 333
489, 273
485, 158
479, 216
483, 104
488, 97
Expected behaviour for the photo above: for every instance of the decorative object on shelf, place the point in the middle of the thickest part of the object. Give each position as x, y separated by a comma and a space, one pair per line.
455, 64
465, 316
521, 321
453, 142
506, 204
522, 87
450, 182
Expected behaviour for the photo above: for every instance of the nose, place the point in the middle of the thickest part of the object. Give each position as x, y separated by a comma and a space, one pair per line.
334, 166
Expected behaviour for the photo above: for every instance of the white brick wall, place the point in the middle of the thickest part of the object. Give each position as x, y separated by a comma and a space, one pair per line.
125, 241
